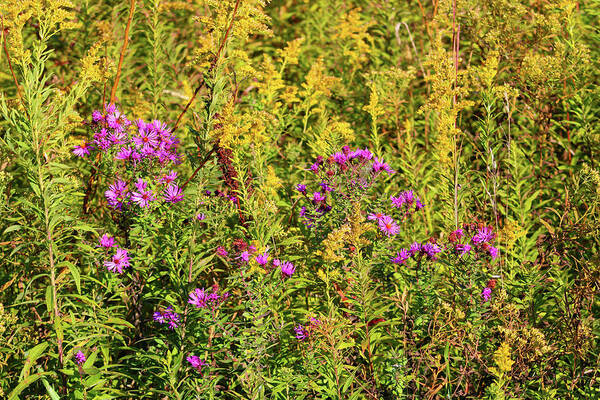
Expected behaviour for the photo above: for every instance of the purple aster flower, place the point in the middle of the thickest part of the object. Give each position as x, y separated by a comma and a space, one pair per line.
262, 259
326, 187
379, 165
388, 226
300, 332
287, 269
118, 262
431, 249
493, 252
302, 211
168, 178
418, 204
80, 357
463, 249
486, 294
171, 318
158, 317
196, 362
301, 188
97, 116
483, 235
340, 158
83, 150
221, 251
200, 217
315, 167
318, 197
401, 257
198, 298
245, 256
146, 139
276, 262
124, 153
376, 216
173, 193
116, 193
414, 248
397, 202
143, 197
107, 241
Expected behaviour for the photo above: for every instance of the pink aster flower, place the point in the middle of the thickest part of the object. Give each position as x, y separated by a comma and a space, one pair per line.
287, 269
379, 165
388, 226
168, 178
463, 249
143, 197
83, 150
124, 153
493, 252
196, 362
198, 298
262, 259
173, 193
107, 241
375, 216
118, 262
221, 251
486, 294
483, 235
245, 256
318, 197
200, 217
116, 193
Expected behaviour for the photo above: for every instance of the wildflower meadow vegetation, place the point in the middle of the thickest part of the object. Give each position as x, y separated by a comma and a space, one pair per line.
300, 199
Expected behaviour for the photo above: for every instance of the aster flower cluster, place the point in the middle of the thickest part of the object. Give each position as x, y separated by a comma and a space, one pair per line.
303, 332
169, 317
429, 250
142, 154
407, 201
130, 142
345, 174
479, 244
119, 260
203, 298
386, 224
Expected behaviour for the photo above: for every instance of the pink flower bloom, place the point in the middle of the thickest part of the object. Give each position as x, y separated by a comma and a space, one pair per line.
318, 197
493, 252
107, 241
375, 216
173, 193
124, 153
483, 235
196, 362
170, 177
200, 217
287, 269
388, 226
143, 197
146, 139
198, 298
82, 151
463, 249
116, 193
118, 262
379, 165
262, 259
486, 294
221, 251
245, 256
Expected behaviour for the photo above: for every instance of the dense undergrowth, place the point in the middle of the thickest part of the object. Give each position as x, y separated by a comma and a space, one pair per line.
327, 199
